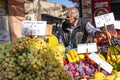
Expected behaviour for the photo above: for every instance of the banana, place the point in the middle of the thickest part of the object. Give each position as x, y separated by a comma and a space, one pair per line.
70, 52
108, 55
101, 56
69, 58
117, 48
113, 53
72, 55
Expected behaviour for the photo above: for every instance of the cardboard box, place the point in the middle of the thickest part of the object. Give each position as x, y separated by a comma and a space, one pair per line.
49, 29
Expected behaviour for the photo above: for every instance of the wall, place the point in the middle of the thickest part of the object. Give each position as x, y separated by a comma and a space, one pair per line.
16, 13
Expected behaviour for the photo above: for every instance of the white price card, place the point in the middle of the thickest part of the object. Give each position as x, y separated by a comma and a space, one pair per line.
106, 19
117, 24
34, 28
106, 66
82, 48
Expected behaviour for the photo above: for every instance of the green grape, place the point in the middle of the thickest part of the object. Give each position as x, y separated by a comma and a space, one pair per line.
30, 59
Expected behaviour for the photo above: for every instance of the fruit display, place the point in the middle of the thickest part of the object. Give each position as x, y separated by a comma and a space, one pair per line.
37, 59
58, 49
112, 52
84, 68
30, 59
102, 76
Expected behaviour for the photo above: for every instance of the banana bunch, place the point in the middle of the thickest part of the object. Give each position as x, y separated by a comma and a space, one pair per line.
72, 56
113, 54
101, 56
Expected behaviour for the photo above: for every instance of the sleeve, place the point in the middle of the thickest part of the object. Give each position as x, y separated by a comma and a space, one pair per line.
91, 29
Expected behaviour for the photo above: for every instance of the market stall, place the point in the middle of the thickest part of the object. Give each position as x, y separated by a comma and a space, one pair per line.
39, 56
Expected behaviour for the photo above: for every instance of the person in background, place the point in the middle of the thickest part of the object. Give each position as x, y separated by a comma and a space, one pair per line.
76, 30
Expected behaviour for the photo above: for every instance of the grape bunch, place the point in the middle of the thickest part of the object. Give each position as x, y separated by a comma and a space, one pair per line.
104, 49
30, 59
114, 41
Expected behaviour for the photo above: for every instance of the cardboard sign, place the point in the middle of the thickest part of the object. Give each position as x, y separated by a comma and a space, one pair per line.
92, 47
117, 25
34, 28
106, 19
48, 29
101, 63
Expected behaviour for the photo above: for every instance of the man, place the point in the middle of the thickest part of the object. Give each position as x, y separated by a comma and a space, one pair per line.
76, 30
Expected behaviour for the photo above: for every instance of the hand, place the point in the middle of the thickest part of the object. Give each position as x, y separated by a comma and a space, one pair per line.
101, 37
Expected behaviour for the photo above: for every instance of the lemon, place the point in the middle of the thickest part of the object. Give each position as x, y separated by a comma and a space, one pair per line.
52, 40
99, 76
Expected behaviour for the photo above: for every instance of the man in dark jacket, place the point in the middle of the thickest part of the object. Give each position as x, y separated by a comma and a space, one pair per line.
76, 30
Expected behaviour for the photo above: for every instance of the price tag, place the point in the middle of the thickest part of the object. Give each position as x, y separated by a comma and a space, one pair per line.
106, 19
92, 47
101, 62
117, 24
34, 28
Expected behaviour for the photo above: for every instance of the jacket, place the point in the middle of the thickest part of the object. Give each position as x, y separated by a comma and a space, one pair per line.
79, 34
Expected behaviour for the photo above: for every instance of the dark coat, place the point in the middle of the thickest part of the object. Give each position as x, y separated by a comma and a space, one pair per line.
79, 34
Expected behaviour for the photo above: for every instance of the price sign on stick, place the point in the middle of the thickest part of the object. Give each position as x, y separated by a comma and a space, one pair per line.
117, 24
106, 19
101, 62
92, 47
34, 28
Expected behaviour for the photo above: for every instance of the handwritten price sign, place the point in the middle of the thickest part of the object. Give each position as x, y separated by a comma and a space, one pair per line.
100, 62
34, 28
92, 47
106, 19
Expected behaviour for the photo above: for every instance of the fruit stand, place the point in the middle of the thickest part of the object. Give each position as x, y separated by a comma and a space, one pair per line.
35, 58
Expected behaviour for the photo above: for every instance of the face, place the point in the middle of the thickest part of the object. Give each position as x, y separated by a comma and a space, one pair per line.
70, 18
